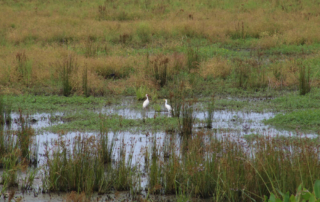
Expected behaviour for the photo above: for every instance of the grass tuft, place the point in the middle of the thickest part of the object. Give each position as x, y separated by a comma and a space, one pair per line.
25, 136
24, 68
67, 67
304, 80
144, 32
210, 112
159, 67
85, 82
193, 59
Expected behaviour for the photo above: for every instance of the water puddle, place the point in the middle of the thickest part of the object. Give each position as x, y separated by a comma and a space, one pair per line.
235, 122
37, 120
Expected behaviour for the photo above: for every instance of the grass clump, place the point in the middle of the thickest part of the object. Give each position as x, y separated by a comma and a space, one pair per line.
160, 69
210, 112
25, 136
7, 144
106, 147
85, 165
187, 117
11, 167
144, 32
67, 67
193, 59
224, 169
304, 80
141, 92
304, 119
5, 111
24, 68
80, 170
27, 182
85, 82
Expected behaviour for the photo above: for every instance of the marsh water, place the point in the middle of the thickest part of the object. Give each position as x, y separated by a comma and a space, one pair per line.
233, 123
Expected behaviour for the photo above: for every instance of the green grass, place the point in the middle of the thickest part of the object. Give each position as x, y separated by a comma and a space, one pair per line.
83, 169
90, 121
304, 119
293, 101
38, 103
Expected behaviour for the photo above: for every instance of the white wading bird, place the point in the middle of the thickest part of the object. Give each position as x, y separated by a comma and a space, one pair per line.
167, 106
146, 102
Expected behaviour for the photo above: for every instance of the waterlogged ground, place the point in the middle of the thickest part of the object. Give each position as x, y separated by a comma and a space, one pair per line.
235, 123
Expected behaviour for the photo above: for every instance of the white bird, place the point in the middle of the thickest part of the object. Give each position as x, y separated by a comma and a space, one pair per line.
146, 102
167, 106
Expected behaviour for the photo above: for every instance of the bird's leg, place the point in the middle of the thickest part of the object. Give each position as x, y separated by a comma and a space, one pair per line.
144, 115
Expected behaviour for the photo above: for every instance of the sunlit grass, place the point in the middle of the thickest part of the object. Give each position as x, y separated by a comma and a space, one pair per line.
103, 35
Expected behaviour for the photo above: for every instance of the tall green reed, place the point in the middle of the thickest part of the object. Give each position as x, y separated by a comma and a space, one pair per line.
210, 110
304, 79
25, 135
160, 70
24, 68
76, 166
193, 59
85, 82
124, 171
106, 147
226, 168
2, 111
188, 118
5, 111
155, 172
11, 167
67, 67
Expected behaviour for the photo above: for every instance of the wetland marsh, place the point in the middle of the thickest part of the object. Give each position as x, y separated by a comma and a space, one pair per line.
139, 141
242, 78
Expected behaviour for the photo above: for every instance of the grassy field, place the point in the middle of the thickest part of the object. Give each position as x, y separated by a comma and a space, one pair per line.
115, 47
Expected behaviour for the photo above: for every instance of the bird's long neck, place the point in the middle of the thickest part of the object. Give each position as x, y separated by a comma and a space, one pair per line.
147, 97
166, 101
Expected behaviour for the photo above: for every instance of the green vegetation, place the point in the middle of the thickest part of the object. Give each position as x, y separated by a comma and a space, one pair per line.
305, 119
222, 169
82, 169
90, 121
293, 101
210, 112
31, 103
302, 194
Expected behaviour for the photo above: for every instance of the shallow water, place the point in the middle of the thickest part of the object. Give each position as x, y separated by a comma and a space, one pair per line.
239, 122
224, 122
233, 123
37, 120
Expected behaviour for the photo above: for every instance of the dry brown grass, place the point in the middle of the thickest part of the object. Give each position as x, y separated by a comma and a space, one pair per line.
54, 30
284, 74
216, 67
75, 197
216, 24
